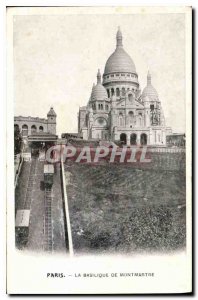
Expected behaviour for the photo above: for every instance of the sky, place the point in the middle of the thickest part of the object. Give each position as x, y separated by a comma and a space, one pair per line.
56, 58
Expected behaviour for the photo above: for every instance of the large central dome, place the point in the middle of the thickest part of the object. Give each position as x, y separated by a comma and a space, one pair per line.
119, 61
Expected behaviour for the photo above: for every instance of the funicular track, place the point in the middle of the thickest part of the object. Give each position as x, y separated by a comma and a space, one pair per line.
22, 233
30, 184
48, 238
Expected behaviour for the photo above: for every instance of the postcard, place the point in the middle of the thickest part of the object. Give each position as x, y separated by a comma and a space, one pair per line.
99, 106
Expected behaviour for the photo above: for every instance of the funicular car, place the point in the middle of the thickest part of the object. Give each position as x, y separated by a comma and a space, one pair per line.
22, 227
48, 175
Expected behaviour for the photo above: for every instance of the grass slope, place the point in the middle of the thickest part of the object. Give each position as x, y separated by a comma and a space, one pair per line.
120, 208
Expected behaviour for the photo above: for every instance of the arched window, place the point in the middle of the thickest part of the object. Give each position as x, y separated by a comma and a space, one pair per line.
101, 106
107, 107
24, 130
112, 92
143, 139
108, 93
130, 97
123, 92
117, 92
131, 117
40, 128
133, 139
33, 129
123, 138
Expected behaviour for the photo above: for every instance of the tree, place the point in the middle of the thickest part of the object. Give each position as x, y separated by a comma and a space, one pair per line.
17, 141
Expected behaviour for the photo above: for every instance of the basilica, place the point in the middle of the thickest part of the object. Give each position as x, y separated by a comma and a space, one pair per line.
118, 110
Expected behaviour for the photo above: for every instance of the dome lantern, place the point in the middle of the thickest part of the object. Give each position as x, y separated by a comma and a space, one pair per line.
119, 38
98, 77
148, 78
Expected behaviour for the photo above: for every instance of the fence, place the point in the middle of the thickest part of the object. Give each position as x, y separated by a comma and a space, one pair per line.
18, 170
66, 207
167, 150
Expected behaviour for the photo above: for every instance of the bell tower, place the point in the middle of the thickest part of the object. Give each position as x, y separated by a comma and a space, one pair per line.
51, 121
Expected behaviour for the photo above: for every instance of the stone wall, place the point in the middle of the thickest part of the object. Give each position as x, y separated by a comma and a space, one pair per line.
32, 124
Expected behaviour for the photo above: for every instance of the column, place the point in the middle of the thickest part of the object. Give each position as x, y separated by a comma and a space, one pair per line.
164, 137
150, 142
29, 129
128, 139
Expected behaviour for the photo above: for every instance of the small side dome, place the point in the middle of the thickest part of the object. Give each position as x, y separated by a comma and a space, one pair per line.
98, 90
51, 113
149, 91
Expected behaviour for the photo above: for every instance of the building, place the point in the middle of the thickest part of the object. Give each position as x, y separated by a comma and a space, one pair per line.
118, 110
34, 126
37, 132
176, 139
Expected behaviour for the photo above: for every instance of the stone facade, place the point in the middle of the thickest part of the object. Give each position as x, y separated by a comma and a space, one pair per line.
118, 110
30, 125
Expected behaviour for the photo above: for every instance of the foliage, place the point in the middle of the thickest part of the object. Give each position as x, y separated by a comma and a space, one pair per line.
17, 141
119, 208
